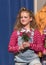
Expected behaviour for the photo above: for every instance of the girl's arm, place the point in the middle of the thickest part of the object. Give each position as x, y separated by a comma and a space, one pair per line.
13, 46
38, 44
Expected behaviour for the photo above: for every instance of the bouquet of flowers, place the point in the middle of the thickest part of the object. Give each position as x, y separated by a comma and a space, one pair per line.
26, 36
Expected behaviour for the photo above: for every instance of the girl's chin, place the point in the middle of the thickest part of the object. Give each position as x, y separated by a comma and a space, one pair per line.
24, 24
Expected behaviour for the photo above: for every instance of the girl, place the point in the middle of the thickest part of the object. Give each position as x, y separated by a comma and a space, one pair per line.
41, 18
24, 51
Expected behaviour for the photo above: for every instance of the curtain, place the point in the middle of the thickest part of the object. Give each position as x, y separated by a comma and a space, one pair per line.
8, 13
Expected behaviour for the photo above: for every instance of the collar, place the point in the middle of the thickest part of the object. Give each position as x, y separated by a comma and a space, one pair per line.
24, 30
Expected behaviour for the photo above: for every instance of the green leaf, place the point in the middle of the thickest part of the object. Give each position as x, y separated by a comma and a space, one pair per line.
25, 37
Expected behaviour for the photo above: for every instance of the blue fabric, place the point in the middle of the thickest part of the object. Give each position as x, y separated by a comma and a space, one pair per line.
8, 13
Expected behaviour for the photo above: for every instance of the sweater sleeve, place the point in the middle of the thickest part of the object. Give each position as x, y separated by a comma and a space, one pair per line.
37, 44
13, 46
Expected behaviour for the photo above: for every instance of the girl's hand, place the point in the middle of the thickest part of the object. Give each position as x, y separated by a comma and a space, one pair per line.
40, 54
21, 47
26, 44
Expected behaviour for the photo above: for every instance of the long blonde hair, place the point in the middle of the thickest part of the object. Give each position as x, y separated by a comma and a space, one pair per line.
41, 18
18, 24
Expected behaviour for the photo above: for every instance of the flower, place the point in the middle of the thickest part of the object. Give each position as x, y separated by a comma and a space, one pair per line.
25, 36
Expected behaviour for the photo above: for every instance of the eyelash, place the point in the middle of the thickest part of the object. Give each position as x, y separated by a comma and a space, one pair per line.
24, 17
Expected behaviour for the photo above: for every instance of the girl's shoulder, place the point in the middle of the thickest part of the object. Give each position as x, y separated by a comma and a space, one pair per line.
14, 32
36, 31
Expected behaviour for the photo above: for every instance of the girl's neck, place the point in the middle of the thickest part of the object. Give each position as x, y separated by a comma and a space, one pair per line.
27, 27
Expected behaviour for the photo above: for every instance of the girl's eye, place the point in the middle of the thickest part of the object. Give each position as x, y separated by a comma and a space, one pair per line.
23, 17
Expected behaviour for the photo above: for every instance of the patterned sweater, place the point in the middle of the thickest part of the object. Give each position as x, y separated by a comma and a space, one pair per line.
28, 55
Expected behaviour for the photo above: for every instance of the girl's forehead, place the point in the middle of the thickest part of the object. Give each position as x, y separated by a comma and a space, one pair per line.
24, 12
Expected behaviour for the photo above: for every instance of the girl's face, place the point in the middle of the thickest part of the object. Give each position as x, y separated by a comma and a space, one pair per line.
25, 18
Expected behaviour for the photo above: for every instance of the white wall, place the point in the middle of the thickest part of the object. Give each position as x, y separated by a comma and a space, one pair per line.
38, 4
